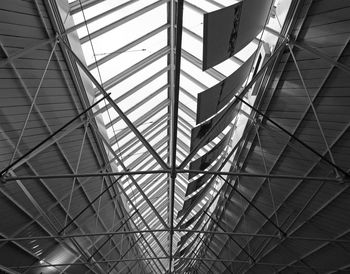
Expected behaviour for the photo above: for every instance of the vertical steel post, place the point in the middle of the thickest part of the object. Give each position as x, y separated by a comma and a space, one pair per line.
174, 125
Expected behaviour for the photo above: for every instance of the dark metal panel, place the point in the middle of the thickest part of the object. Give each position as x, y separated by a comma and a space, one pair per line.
201, 181
58, 101
12, 256
220, 34
228, 30
212, 100
303, 208
214, 126
207, 159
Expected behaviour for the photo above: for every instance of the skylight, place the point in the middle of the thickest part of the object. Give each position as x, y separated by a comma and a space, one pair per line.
127, 47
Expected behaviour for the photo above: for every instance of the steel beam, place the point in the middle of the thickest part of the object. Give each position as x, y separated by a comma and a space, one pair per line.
7, 270
283, 233
310, 170
241, 94
75, 171
266, 171
314, 51
198, 63
179, 171
88, 205
125, 48
33, 101
144, 101
115, 106
150, 249
233, 150
111, 235
35, 219
132, 179
38, 207
45, 143
313, 215
77, 246
346, 174
130, 144
9, 59
174, 125
230, 236
214, 232
110, 83
80, 7
120, 22
311, 104
299, 124
125, 131
195, 253
160, 258
262, 175
48, 33
77, 5
74, 76
136, 89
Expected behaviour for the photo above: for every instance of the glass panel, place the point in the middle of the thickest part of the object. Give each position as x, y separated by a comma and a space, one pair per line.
143, 93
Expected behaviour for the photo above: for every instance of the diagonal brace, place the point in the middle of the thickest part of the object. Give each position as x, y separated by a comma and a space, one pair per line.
114, 105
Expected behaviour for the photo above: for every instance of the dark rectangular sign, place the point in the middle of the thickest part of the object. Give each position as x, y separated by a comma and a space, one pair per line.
213, 99
209, 130
228, 30
207, 159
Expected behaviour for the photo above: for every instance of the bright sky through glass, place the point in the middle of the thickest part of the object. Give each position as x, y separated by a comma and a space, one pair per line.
127, 50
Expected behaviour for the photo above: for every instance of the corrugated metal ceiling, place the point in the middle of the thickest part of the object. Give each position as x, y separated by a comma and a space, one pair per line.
60, 57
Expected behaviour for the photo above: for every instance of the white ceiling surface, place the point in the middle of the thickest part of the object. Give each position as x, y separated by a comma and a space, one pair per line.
115, 53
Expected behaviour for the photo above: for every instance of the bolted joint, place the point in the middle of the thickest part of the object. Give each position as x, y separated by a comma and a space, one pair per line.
282, 235
290, 40
4, 177
173, 175
343, 179
258, 120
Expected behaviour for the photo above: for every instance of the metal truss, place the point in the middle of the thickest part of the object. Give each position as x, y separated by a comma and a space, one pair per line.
149, 224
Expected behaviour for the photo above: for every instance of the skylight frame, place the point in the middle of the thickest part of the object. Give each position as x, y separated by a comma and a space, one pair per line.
124, 135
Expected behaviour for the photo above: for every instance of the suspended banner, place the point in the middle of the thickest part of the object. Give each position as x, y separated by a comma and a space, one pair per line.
190, 203
212, 100
196, 184
228, 30
207, 159
185, 237
181, 263
194, 218
184, 251
215, 125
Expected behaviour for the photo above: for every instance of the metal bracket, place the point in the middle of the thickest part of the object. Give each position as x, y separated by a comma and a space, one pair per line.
4, 177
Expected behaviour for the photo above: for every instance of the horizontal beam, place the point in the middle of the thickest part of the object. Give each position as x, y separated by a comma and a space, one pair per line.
161, 258
140, 172
261, 175
294, 137
304, 46
43, 265
48, 140
27, 50
113, 104
238, 234
246, 89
